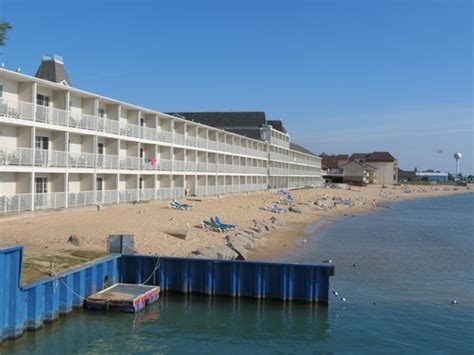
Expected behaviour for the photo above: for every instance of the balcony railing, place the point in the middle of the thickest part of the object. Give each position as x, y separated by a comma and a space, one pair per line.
50, 201
107, 161
59, 117
15, 203
132, 163
50, 158
83, 198
16, 156
81, 160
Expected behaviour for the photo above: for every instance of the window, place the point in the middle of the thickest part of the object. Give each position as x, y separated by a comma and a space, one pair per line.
42, 100
99, 182
140, 183
1, 91
41, 185
100, 148
101, 113
41, 142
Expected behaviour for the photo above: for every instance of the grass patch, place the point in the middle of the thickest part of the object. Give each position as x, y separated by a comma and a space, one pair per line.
87, 254
37, 267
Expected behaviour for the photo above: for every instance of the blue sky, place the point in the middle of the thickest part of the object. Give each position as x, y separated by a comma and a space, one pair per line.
345, 76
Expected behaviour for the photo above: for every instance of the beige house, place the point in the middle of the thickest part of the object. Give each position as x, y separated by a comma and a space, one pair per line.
384, 163
360, 173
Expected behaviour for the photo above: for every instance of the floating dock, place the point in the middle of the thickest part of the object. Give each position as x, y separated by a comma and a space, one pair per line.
28, 307
128, 298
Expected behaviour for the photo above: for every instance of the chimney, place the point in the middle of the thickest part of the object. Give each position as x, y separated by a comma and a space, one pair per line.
52, 69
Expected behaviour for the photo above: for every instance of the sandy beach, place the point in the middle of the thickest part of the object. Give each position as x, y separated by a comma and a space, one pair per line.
45, 234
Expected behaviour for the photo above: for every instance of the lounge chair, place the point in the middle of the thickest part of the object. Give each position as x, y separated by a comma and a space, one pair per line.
274, 208
176, 205
212, 226
218, 222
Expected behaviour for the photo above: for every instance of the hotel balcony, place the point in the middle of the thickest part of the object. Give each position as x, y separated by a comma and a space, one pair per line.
16, 156
64, 118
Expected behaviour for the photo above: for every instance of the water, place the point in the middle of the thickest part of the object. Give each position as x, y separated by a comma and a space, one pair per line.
411, 261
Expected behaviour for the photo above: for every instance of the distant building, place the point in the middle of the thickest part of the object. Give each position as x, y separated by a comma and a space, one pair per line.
406, 175
432, 176
358, 172
331, 165
384, 163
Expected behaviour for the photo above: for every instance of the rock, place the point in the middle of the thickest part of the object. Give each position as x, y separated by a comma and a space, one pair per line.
262, 225
244, 233
185, 233
298, 209
295, 209
269, 225
99, 207
277, 221
246, 242
75, 240
224, 252
253, 234
258, 231
216, 252
240, 249
206, 252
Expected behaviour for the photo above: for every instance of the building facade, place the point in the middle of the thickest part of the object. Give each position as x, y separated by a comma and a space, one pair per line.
385, 164
357, 172
332, 167
63, 147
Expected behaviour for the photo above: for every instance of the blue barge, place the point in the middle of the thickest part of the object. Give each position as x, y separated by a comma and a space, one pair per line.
28, 307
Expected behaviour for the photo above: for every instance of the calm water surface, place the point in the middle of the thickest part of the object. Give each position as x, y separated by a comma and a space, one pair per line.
411, 260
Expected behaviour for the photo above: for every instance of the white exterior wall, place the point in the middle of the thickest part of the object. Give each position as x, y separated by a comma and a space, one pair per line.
233, 166
10, 89
385, 172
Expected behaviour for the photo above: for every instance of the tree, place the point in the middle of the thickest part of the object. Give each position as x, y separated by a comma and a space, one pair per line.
4, 27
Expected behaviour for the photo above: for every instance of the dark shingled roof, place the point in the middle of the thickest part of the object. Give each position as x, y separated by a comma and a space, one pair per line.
361, 163
226, 119
333, 161
384, 157
52, 70
278, 125
301, 149
380, 157
358, 156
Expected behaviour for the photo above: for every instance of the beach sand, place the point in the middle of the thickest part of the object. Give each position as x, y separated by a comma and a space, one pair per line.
45, 234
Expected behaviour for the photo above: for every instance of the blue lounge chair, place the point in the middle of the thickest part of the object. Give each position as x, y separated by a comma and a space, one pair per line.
176, 205
213, 226
217, 221
274, 208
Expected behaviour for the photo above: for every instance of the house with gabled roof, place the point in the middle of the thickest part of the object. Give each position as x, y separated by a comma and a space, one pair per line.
331, 165
386, 165
358, 172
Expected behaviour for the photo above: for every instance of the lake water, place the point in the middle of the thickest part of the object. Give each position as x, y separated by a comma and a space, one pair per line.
398, 268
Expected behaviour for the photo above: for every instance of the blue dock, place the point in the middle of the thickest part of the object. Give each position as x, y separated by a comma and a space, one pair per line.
28, 307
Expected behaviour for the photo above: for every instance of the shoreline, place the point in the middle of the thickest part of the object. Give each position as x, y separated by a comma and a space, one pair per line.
298, 232
45, 235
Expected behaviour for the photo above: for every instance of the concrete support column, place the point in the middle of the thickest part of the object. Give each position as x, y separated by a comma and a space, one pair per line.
33, 148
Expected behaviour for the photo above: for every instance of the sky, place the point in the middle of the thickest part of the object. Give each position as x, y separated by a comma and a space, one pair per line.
344, 75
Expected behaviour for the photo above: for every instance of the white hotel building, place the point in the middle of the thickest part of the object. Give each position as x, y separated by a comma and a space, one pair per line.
63, 147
